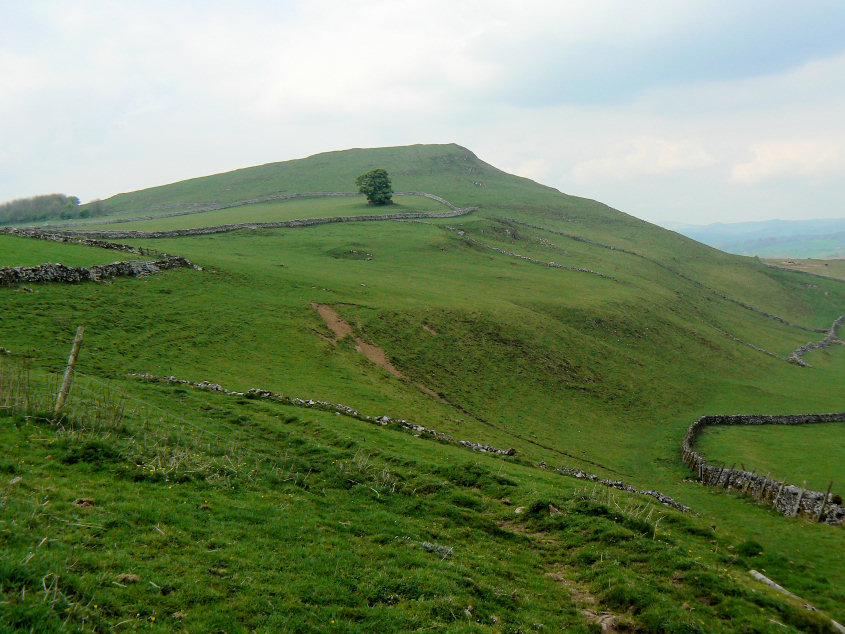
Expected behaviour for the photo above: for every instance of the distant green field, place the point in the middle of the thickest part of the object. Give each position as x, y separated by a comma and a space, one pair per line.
790, 453
15, 251
830, 268
279, 210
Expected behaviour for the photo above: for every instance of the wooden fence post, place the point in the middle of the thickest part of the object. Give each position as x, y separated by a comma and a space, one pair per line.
824, 502
730, 476
761, 494
69, 370
798, 503
777, 496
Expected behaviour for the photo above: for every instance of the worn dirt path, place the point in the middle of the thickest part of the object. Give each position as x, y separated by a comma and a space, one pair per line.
377, 355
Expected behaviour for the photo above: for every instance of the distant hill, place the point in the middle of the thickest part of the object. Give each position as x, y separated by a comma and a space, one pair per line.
774, 238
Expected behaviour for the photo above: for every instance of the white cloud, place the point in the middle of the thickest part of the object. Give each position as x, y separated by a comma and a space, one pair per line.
643, 157
536, 169
100, 97
808, 159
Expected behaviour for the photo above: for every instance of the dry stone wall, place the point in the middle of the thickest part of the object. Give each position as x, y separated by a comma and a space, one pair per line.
53, 236
11, 275
554, 265
618, 484
670, 270
198, 208
416, 430
303, 222
786, 498
346, 410
830, 339
106, 234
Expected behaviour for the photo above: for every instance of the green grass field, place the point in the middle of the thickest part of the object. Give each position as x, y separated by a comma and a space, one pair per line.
279, 210
15, 251
795, 454
828, 268
567, 367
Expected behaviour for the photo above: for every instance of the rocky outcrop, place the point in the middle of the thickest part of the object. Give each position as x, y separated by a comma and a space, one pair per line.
73, 274
786, 498
339, 408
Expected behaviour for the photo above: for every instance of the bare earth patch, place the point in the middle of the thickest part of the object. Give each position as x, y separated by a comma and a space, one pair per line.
342, 329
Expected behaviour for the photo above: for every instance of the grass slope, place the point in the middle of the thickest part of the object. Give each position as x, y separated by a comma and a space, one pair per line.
15, 251
794, 454
827, 268
602, 373
279, 210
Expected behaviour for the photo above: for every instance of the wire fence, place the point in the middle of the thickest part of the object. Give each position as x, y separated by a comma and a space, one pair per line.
157, 442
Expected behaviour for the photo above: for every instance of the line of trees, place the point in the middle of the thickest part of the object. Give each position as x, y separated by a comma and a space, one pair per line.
47, 207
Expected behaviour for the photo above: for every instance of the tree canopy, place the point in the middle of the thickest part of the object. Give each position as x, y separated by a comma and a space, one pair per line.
37, 208
376, 186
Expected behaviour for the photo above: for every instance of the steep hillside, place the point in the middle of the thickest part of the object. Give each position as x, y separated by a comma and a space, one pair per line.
573, 333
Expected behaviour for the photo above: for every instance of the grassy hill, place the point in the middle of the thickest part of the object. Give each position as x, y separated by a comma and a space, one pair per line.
600, 365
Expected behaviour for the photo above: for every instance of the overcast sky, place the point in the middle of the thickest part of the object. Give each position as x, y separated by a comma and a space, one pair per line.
673, 111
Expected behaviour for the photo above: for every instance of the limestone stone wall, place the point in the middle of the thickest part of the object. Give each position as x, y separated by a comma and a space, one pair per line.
11, 275
340, 408
787, 499
54, 236
197, 208
797, 356
303, 222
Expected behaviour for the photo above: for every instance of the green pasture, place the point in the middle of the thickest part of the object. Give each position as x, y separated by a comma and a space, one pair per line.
565, 366
277, 518
811, 453
16, 251
280, 210
828, 268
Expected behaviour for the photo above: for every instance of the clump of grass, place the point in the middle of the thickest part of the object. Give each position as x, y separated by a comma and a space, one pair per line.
749, 548
94, 452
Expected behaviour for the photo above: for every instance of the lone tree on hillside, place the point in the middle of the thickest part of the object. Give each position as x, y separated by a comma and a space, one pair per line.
375, 184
